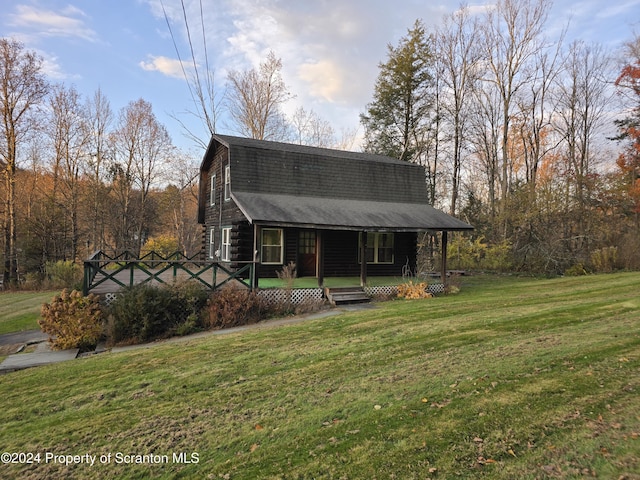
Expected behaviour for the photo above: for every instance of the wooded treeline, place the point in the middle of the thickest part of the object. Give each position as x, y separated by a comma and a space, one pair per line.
78, 177
514, 129
533, 140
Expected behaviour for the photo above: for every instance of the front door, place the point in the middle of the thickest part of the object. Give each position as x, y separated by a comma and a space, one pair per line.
307, 253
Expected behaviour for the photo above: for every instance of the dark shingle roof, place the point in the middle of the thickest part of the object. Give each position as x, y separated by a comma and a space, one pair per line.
286, 184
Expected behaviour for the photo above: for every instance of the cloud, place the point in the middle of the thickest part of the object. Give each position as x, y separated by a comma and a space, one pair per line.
165, 65
69, 22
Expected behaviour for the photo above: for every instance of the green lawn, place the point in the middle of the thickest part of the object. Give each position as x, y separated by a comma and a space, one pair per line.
20, 310
511, 378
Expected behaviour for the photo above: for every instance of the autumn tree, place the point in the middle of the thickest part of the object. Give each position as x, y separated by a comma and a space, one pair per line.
628, 84
255, 99
23, 88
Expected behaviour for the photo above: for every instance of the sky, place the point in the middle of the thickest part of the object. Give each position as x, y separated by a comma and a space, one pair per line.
330, 49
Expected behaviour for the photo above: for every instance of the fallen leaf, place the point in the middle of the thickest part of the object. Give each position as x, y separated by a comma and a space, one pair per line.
511, 452
254, 447
425, 400
259, 427
377, 407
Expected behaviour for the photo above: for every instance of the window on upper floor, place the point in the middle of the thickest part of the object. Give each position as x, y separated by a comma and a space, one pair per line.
227, 182
212, 193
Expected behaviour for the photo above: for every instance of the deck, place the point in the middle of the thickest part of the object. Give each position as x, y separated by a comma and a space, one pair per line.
104, 274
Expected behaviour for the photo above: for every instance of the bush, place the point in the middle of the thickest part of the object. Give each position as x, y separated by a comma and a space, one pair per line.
604, 259
232, 307
145, 312
72, 320
413, 291
64, 274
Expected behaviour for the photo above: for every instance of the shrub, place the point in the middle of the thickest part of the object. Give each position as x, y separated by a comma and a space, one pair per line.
64, 274
413, 291
604, 259
72, 320
232, 307
145, 312
575, 270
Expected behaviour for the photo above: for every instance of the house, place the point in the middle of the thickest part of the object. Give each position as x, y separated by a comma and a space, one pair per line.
326, 210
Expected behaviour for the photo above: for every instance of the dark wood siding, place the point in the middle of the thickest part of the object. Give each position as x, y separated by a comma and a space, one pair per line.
225, 213
341, 254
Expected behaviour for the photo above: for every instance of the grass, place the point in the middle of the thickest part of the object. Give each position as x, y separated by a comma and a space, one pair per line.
20, 310
511, 378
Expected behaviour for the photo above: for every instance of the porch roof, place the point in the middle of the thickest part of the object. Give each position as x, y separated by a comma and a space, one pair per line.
343, 214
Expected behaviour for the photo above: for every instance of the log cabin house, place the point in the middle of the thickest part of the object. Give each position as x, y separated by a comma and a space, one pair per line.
325, 210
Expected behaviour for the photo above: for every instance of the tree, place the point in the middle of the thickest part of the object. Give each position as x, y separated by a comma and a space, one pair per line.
628, 83
459, 56
511, 38
143, 148
255, 100
69, 133
100, 118
23, 87
310, 129
398, 119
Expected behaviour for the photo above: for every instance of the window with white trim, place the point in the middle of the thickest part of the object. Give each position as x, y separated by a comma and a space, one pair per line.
212, 193
227, 182
226, 244
272, 246
212, 243
379, 247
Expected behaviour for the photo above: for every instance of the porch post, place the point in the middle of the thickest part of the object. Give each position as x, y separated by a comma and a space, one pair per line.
443, 272
320, 259
363, 259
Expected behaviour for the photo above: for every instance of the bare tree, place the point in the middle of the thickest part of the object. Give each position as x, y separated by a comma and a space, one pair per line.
255, 100
100, 118
143, 148
310, 129
512, 33
23, 88
582, 96
69, 132
459, 56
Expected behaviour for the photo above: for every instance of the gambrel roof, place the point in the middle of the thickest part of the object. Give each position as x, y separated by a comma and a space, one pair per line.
293, 185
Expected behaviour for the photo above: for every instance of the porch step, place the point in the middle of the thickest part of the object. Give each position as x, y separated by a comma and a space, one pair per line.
346, 295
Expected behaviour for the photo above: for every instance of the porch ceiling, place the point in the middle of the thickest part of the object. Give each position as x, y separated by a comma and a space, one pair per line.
343, 214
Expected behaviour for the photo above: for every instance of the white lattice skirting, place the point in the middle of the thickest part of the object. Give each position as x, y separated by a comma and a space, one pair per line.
301, 295
298, 295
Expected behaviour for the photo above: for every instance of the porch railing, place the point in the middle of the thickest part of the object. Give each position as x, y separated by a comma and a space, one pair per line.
126, 269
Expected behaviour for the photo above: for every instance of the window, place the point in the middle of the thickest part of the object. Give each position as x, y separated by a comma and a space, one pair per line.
212, 195
272, 246
379, 247
227, 182
226, 244
212, 243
